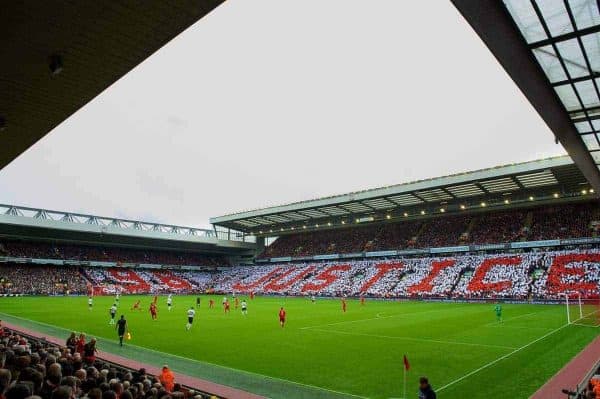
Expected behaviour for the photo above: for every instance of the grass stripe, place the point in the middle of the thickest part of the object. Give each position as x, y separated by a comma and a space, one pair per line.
435, 341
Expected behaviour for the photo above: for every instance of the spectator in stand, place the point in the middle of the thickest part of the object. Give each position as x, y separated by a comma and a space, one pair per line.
167, 378
72, 342
80, 346
90, 351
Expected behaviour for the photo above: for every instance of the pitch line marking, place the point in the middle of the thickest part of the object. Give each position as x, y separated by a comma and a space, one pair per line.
485, 366
415, 339
584, 325
522, 327
202, 361
378, 317
495, 323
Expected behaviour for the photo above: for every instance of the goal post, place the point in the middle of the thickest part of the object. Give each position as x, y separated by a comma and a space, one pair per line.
582, 311
568, 309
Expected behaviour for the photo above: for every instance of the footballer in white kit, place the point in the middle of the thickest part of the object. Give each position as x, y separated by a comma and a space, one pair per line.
190, 315
170, 301
113, 313
244, 307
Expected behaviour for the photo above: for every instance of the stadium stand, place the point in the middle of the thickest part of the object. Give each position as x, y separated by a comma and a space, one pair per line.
41, 280
497, 227
444, 232
466, 276
33, 366
97, 253
538, 275
140, 281
543, 273
564, 221
358, 239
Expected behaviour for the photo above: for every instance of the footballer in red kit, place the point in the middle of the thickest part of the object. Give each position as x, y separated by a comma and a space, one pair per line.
153, 311
282, 315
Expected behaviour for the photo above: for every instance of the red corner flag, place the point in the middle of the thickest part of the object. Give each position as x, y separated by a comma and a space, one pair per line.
406, 363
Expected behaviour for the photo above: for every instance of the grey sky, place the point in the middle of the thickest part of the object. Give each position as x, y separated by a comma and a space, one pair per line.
272, 101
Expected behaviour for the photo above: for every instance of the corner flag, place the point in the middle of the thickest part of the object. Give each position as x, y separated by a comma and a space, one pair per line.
406, 368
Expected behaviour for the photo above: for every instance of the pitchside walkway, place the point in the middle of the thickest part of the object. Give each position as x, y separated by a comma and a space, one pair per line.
237, 384
572, 374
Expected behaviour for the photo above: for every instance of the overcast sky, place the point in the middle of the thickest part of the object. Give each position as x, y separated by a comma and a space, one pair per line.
266, 102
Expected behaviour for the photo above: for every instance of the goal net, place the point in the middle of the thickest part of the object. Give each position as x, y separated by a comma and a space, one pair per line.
583, 311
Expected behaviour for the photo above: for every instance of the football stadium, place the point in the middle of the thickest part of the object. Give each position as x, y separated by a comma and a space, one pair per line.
478, 284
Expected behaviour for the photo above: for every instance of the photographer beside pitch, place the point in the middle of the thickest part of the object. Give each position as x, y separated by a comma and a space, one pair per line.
425, 390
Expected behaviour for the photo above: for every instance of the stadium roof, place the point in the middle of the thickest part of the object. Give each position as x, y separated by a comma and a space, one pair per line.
43, 224
551, 50
546, 180
89, 45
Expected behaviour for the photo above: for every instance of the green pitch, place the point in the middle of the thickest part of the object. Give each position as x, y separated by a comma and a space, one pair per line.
461, 347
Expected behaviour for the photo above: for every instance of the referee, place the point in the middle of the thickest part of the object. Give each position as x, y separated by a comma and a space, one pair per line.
121, 329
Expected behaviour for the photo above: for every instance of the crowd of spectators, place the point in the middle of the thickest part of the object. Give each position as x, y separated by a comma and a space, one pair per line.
35, 369
40, 280
444, 232
350, 240
495, 227
565, 221
43, 250
544, 274
143, 281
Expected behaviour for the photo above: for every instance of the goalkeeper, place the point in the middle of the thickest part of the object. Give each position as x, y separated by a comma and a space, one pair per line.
498, 310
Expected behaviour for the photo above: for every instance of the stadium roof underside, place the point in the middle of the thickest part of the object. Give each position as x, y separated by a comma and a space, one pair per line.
551, 180
89, 45
551, 50
18, 222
